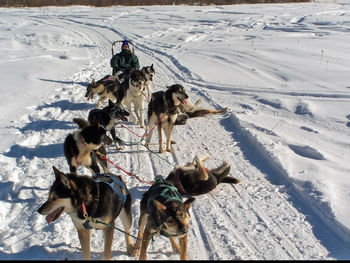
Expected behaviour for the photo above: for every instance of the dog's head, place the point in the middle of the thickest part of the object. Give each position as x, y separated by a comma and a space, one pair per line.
137, 79
60, 196
148, 72
178, 94
174, 216
116, 111
93, 135
90, 90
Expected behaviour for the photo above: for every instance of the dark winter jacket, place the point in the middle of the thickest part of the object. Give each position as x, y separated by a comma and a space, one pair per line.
124, 60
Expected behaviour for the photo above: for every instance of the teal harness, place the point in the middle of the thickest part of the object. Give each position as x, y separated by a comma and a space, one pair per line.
164, 192
169, 192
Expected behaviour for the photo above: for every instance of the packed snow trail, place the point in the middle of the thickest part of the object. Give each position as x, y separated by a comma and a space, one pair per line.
258, 219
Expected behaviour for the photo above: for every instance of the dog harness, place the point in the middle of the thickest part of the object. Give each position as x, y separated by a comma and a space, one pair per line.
113, 182
169, 192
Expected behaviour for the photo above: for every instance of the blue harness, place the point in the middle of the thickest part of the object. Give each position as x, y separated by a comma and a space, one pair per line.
113, 182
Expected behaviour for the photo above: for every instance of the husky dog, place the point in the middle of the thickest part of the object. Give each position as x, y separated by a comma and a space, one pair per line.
79, 148
148, 72
83, 198
108, 118
130, 92
194, 179
163, 212
190, 110
106, 88
163, 110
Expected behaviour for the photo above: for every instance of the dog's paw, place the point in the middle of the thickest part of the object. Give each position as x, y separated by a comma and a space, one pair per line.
130, 250
135, 252
169, 150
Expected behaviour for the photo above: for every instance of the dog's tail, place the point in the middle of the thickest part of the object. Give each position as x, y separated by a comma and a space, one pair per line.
221, 174
202, 112
81, 122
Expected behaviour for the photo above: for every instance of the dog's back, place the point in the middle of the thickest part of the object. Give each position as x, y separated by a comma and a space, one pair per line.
157, 104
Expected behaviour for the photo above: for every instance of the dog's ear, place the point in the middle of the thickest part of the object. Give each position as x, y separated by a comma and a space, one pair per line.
93, 82
160, 207
110, 103
60, 176
188, 202
152, 66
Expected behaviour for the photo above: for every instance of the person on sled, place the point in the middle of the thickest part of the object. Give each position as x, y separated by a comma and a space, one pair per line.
124, 62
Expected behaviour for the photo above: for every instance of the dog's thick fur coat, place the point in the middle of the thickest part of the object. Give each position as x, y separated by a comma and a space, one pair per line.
163, 212
106, 88
108, 118
131, 92
194, 179
79, 148
163, 110
71, 193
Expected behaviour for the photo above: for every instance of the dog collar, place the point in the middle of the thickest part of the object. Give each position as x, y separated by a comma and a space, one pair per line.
179, 184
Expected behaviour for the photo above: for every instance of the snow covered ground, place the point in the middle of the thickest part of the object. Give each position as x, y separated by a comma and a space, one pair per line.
281, 69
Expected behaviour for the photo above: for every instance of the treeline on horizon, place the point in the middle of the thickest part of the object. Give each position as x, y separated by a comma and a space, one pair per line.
101, 3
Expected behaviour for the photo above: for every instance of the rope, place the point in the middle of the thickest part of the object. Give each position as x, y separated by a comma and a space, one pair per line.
96, 221
128, 173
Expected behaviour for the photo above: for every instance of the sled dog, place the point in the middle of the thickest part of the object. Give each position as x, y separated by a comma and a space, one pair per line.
162, 211
190, 110
131, 92
148, 72
194, 179
162, 112
106, 88
108, 118
80, 147
102, 198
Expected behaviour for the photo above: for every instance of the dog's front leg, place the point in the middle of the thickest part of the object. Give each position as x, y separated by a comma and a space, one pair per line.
169, 129
132, 114
160, 137
142, 225
141, 115
202, 171
84, 237
174, 245
183, 247
145, 242
108, 236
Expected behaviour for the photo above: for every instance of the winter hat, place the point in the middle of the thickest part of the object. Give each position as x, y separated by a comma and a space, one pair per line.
125, 43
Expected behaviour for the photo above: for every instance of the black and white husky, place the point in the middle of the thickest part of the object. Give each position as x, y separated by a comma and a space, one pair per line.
80, 148
148, 72
163, 110
131, 92
108, 117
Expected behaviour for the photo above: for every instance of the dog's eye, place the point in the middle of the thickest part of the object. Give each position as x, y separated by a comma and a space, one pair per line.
170, 221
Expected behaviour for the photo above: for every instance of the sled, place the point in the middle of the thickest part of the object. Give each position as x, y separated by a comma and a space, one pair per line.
131, 44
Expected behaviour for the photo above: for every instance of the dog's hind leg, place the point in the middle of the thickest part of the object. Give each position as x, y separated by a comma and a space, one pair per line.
84, 237
108, 239
183, 247
142, 224
151, 122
